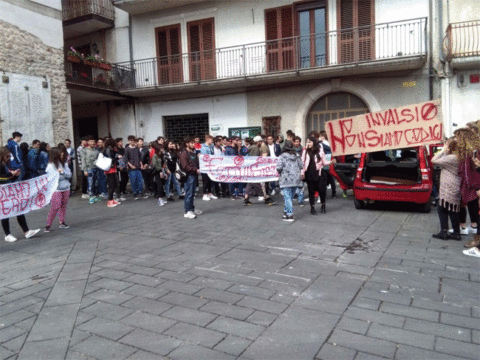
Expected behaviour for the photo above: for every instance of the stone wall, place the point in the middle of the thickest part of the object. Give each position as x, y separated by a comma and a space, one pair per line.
24, 53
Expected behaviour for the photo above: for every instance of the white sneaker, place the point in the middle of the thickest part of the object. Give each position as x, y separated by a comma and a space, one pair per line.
189, 215
31, 233
85, 196
273, 193
10, 238
472, 230
160, 202
198, 212
213, 197
318, 201
121, 198
206, 198
472, 252
261, 198
463, 231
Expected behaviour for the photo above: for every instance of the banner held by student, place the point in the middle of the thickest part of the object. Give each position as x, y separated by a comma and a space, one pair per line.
24, 196
239, 169
403, 127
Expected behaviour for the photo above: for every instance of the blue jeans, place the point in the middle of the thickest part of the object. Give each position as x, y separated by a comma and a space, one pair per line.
169, 179
102, 182
301, 194
288, 199
92, 181
236, 189
136, 181
190, 183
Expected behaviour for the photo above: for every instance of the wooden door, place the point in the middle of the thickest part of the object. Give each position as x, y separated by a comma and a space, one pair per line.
201, 45
280, 46
169, 55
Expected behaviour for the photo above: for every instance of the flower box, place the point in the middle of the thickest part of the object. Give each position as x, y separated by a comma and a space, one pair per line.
104, 66
74, 59
91, 63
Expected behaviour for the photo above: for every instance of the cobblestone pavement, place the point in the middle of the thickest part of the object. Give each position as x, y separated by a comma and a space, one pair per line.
141, 282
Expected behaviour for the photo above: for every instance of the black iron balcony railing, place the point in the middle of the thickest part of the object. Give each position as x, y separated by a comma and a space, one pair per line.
463, 39
76, 8
111, 77
336, 48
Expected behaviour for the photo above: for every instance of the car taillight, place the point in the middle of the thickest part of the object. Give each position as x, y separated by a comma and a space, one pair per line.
425, 175
359, 173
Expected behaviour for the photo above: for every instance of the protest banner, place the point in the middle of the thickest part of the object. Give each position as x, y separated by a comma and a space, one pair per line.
239, 169
24, 196
398, 128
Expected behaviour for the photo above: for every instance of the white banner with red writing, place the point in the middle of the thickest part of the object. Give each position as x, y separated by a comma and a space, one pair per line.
24, 196
403, 127
239, 169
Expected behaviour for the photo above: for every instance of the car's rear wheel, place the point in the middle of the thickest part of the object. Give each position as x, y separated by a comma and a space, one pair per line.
425, 208
359, 204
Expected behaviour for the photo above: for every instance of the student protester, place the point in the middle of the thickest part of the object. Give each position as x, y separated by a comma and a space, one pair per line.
189, 164
102, 178
218, 150
89, 155
161, 141
289, 166
24, 153
71, 160
122, 167
171, 161
207, 149
450, 194
110, 151
14, 148
83, 145
146, 169
158, 164
279, 140
58, 163
9, 175
43, 158
275, 151
313, 159
32, 159
133, 158
330, 180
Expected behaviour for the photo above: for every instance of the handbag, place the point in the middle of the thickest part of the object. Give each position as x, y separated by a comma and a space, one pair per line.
179, 173
103, 162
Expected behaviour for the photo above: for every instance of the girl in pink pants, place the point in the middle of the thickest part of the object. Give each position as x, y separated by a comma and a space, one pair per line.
59, 202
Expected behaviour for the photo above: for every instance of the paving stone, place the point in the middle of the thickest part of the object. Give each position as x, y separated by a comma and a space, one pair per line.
148, 322
109, 296
219, 295
48, 349
476, 312
287, 336
191, 316
144, 280
375, 317
261, 318
73, 355
365, 356
54, 322
363, 343
405, 352
112, 274
457, 348
103, 349
111, 284
27, 323
65, 293
424, 341
180, 287
177, 276
353, 325
331, 352
147, 305
252, 291
146, 292
411, 312
10, 332
143, 355
435, 305
460, 321
475, 336
107, 311
6, 354
78, 336
262, 305
233, 311
211, 283
15, 317
105, 328
366, 303
195, 334
183, 300
384, 295
437, 329
151, 341
235, 327
455, 286
233, 345
195, 352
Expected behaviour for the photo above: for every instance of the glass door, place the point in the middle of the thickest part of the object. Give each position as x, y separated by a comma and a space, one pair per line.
312, 38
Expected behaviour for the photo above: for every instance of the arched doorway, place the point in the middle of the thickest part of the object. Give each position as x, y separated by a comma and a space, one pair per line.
333, 106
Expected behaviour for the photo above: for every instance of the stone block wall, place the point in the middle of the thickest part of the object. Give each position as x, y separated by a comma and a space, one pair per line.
24, 53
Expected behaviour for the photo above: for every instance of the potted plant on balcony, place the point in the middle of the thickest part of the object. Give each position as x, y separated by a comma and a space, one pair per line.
105, 65
74, 56
92, 60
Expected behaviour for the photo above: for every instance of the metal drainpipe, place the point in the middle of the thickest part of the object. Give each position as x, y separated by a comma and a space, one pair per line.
130, 39
430, 55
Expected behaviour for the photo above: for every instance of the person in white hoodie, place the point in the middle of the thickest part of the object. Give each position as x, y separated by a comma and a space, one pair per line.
58, 162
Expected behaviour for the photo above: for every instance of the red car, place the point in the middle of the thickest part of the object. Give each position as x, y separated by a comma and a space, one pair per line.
395, 175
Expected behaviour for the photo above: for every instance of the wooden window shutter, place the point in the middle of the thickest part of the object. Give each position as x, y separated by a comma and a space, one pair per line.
208, 47
279, 24
201, 38
271, 24
366, 31
346, 33
169, 61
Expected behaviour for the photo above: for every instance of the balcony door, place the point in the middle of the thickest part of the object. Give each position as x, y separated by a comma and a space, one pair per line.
312, 42
280, 46
169, 54
357, 33
201, 47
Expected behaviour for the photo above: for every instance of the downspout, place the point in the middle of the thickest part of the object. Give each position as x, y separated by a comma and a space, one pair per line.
130, 40
430, 50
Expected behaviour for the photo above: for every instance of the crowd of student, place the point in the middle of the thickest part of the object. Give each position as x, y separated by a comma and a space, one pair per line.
460, 186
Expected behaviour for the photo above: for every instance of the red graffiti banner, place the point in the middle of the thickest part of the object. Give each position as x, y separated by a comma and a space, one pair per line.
24, 196
403, 127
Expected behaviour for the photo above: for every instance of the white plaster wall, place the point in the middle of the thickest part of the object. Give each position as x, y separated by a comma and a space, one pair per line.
229, 111
463, 101
49, 30
55, 4
463, 10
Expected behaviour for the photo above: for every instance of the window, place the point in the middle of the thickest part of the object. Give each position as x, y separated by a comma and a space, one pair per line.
334, 106
177, 128
201, 46
169, 54
356, 37
271, 126
280, 42
311, 27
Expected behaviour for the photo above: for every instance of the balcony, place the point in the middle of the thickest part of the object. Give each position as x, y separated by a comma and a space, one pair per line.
136, 7
89, 83
82, 17
367, 50
462, 44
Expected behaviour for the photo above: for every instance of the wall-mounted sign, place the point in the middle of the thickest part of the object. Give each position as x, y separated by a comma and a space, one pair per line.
244, 132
